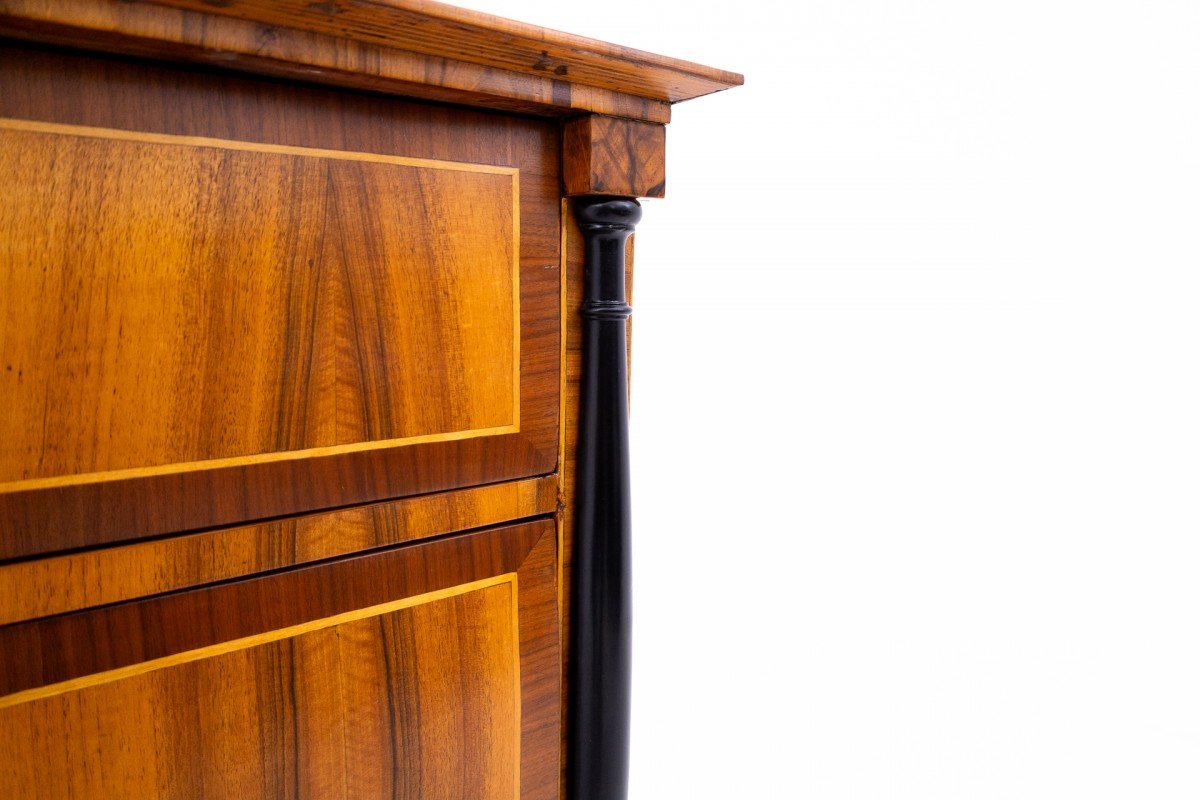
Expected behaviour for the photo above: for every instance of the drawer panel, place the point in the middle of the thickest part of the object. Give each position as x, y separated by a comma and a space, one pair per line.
311, 712
426, 671
224, 299
172, 303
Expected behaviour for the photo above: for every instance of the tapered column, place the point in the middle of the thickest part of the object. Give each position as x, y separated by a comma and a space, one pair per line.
601, 633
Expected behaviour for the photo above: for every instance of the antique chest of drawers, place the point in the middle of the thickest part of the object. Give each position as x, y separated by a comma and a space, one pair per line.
313, 461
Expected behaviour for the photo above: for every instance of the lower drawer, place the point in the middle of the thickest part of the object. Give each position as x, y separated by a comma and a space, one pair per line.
430, 670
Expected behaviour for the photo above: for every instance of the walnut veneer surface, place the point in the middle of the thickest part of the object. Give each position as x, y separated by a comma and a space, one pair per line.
206, 352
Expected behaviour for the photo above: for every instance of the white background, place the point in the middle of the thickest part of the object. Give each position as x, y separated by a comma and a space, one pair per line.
916, 401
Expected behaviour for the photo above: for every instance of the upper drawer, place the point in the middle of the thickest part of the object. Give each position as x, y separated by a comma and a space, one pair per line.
173, 303
200, 330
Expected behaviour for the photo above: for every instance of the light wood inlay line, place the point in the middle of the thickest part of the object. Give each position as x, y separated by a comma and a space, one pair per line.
258, 458
514, 613
112, 273
564, 413
234, 645
258, 147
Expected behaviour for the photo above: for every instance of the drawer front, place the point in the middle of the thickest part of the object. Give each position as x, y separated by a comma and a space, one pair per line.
425, 671
173, 303
201, 324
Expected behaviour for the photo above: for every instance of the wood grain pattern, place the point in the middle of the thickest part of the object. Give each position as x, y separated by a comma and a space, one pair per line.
59, 584
279, 706
178, 302
541, 680
432, 28
318, 712
605, 155
62, 88
55, 649
416, 48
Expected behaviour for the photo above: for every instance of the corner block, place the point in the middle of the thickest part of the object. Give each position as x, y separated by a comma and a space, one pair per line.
614, 156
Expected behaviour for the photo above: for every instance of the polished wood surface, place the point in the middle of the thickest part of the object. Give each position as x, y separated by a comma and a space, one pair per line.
600, 666
61, 648
541, 655
572, 348
423, 26
59, 584
64, 89
173, 303
343, 708
294, 658
411, 47
610, 156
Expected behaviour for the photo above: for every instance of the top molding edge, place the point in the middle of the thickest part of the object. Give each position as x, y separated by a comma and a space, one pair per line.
410, 47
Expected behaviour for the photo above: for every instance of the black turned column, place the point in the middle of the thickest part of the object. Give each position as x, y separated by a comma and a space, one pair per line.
601, 633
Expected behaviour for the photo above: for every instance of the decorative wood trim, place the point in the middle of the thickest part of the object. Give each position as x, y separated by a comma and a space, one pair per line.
606, 155
233, 645
130, 633
572, 298
61, 584
93, 132
410, 47
601, 633
515, 612
432, 28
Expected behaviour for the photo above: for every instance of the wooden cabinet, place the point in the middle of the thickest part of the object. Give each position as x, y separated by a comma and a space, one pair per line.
310, 468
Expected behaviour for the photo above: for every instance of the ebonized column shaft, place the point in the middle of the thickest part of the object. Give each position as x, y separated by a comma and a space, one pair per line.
601, 598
